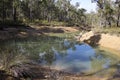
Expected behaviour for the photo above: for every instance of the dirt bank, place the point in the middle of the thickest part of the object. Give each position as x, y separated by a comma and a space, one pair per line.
11, 32
100, 39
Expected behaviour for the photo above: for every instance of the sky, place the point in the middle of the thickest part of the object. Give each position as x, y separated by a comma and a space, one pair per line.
86, 4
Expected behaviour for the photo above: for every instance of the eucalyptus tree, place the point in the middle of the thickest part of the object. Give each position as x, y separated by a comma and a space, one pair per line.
63, 7
92, 19
82, 16
9, 9
31, 9
35, 10
71, 14
78, 16
100, 4
31, 3
106, 11
50, 8
15, 5
117, 10
2, 9
5, 6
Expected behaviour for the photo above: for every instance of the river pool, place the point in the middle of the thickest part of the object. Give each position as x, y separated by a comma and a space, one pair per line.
64, 54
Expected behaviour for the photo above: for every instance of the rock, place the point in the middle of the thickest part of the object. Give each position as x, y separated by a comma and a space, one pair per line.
86, 36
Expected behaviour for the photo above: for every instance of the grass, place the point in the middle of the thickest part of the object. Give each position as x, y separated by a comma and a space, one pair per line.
47, 23
10, 56
69, 35
112, 30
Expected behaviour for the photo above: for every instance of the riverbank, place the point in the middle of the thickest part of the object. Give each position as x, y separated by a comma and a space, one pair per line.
12, 32
101, 39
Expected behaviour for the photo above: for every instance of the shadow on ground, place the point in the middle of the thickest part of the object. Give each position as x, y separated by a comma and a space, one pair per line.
94, 40
13, 32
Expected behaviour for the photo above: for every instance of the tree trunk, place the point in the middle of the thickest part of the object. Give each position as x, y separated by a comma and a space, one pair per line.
118, 16
14, 14
118, 19
109, 23
30, 14
3, 11
101, 19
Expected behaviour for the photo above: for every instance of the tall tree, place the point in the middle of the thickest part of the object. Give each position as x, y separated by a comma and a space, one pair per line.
34, 10
106, 12
117, 12
15, 7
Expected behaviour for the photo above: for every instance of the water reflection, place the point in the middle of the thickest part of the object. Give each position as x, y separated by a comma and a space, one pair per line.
63, 54
73, 59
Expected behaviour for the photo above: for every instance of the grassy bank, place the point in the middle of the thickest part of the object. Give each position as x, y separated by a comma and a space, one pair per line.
112, 30
47, 23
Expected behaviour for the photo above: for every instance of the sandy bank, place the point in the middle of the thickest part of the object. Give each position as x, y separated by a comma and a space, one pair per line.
105, 40
110, 41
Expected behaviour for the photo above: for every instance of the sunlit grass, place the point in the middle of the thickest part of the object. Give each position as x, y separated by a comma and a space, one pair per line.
70, 35
51, 23
112, 30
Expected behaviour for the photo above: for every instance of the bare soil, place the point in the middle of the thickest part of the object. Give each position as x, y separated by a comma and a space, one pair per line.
22, 32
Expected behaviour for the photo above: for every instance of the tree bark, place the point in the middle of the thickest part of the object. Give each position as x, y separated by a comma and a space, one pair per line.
3, 11
14, 14
30, 14
118, 20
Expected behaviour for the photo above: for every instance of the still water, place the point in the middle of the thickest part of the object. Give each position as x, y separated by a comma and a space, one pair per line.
63, 54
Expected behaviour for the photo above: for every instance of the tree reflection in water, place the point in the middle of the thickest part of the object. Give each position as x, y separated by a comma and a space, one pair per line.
57, 52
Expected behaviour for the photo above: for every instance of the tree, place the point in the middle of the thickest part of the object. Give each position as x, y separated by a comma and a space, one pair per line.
35, 10
106, 12
117, 6
9, 10
15, 7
